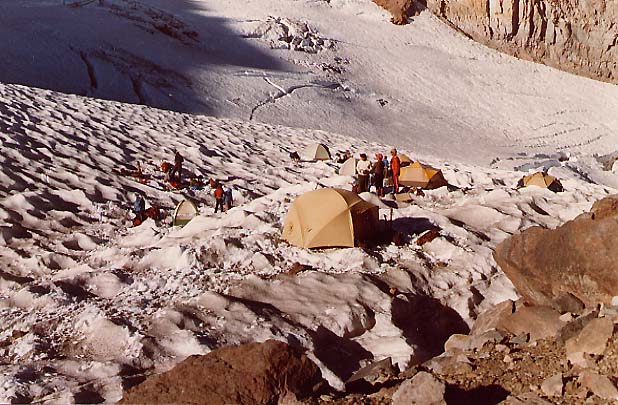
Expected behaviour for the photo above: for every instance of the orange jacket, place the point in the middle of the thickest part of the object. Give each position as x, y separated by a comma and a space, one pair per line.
218, 193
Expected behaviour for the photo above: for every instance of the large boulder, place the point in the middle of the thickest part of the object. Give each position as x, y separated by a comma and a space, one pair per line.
572, 35
578, 258
254, 373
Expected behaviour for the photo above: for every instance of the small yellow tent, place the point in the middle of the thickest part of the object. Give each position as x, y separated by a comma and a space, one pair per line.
404, 159
541, 179
348, 168
316, 151
185, 211
330, 217
423, 176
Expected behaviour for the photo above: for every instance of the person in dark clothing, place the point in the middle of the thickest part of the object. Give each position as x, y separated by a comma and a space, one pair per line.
219, 194
177, 170
227, 198
378, 175
139, 209
139, 206
295, 157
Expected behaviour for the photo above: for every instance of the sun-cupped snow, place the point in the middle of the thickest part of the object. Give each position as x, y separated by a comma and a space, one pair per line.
90, 304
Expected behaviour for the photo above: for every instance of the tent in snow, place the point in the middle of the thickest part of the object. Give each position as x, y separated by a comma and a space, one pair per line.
404, 159
316, 151
348, 168
541, 179
330, 217
185, 211
423, 176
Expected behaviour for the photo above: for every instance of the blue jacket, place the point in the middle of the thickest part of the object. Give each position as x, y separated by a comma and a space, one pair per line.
139, 205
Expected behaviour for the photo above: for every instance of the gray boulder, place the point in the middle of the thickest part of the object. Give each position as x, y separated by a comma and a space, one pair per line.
539, 322
592, 339
599, 385
422, 389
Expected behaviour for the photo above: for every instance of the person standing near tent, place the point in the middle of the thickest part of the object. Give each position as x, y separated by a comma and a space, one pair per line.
218, 193
177, 170
378, 175
395, 170
227, 198
363, 168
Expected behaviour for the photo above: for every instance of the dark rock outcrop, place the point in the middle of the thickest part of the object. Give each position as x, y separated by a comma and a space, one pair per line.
572, 35
578, 258
255, 373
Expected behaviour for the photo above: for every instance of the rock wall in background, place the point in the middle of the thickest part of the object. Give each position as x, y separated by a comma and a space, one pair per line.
577, 36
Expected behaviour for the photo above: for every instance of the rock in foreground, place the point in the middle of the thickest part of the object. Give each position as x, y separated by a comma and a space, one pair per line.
248, 374
577, 258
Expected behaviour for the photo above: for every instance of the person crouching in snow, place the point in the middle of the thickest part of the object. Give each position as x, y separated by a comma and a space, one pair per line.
295, 157
219, 193
363, 168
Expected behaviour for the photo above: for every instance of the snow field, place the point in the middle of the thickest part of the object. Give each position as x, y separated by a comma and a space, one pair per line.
91, 305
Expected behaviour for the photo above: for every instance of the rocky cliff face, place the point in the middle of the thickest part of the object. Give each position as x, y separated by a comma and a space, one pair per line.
578, 36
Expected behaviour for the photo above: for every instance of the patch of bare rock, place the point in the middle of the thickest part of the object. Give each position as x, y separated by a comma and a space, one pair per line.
515, 354
573, 363
572, 35
255, 373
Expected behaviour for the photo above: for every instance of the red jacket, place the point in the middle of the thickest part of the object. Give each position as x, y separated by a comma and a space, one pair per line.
218, 193
396, 165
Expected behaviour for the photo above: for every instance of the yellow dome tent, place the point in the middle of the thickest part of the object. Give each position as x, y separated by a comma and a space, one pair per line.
348, 168
423, 176
316, 151
404, 159
330, 217
185, 211
541, 179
